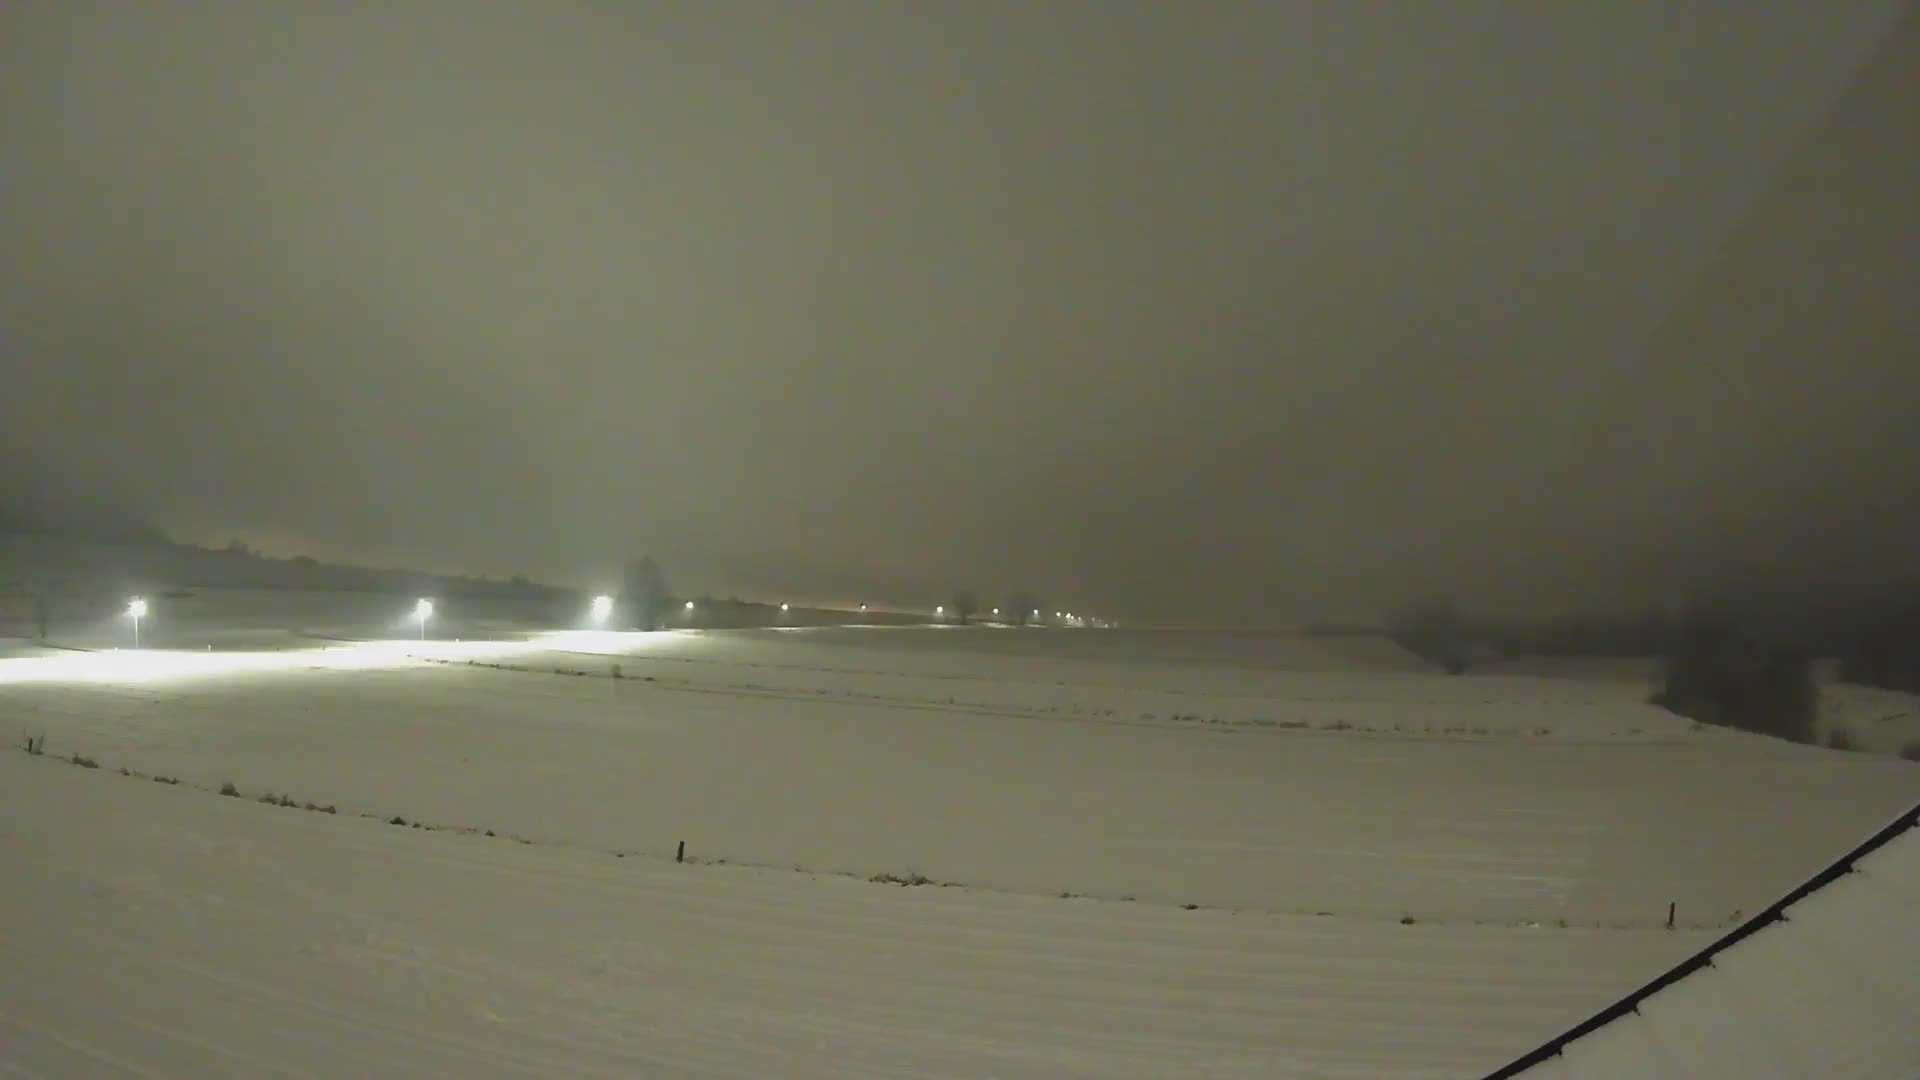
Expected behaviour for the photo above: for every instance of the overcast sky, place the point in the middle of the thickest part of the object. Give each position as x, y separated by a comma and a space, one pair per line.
1188, 311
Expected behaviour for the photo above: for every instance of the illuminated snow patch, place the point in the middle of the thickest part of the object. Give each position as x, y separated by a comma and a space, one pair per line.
156, 665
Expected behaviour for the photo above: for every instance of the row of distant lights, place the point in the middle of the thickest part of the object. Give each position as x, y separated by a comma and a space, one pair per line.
422, 610
1063, 616
601, 610
603, 607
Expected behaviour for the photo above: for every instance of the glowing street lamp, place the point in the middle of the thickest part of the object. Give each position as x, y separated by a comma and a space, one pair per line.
941, 610
786, 607
136, 610
422, 611
602, 607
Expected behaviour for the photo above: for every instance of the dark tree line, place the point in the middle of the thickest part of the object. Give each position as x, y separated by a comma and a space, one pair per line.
646, 601
1022, 607
1726, 665
1721, 673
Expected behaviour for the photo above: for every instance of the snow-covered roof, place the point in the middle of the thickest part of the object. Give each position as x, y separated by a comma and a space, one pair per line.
1824, 983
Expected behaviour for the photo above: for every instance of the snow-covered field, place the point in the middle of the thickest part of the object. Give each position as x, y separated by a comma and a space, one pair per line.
1867, 719
1874, 721
1166, 854
158, 931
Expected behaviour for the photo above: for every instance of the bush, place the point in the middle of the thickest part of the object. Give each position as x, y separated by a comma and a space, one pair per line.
1911, 751
1839, 739
229, 790
896, 879
84, 762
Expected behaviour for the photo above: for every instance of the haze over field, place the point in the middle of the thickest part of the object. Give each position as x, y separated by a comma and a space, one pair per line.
911, 850
1241, 538
1219, 312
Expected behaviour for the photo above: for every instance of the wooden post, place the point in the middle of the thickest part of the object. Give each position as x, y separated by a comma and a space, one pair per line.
681, 855
1670, 906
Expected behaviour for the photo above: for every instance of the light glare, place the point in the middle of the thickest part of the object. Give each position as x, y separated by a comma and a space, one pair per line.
147, 666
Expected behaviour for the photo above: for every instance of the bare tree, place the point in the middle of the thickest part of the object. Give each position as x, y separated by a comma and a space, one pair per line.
645, 597
964, 605
1720, 674
1024, 606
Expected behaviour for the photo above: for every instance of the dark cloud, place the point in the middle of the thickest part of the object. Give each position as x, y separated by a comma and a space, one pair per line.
1197, 311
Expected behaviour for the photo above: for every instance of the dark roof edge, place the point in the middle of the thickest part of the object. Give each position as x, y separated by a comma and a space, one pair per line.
1775, 913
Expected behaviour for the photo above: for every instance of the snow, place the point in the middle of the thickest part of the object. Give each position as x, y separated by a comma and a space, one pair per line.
1642, 673
1008, 786
14, 648
154, 930
1871, 720
1875, 721
1168, 855
1828, 990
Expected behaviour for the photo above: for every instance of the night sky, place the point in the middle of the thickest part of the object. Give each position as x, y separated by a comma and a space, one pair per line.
1197, 312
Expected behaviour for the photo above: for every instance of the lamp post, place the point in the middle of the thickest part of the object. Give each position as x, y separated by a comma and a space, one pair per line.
136, 610
422, 611
602, 608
